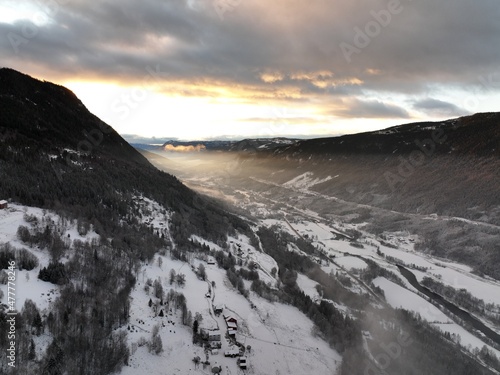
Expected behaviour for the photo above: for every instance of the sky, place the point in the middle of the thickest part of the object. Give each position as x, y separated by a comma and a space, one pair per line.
208, 69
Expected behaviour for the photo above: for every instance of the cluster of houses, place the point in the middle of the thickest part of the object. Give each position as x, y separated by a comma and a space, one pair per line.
232, 327
214, 337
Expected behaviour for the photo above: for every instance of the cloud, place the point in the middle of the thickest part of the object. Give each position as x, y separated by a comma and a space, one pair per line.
290, 37
371, 109
439, 108
263, 51
181, 148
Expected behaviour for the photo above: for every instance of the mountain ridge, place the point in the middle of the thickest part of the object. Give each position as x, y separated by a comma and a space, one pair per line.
50, 140
48, 116
476, 134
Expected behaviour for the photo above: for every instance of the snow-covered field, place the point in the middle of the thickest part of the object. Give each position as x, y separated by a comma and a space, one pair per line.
28, 286
399, 297
308, 286
305, 181
456, 275
351, 262
280, 336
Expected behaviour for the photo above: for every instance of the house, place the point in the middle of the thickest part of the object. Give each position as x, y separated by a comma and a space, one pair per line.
232, 325
230, 319
242, 361
214, 335
3, 204
218, 309
211, 261
215, 344
232, 353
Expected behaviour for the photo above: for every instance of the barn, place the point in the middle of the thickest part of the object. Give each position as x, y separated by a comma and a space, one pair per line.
218, 309
242, 361
3, 204
214, 335
230, 321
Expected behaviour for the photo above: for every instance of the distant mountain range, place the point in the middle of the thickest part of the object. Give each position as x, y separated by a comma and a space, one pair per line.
476, 135
247, 145
448, 169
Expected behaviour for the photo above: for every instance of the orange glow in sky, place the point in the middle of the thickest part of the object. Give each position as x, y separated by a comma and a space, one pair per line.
187, 69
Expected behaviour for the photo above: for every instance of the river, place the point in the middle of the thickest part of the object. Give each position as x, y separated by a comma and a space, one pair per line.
462, 314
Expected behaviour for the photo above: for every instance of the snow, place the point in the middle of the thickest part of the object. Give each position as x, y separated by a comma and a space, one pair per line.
202, 241
279, 335
330, 268
305, 181
456, 275
399, 297
312, 229
11, 218
487, 290
28, 286
351, 262
308, 286
266, 264
284, 344
241, 248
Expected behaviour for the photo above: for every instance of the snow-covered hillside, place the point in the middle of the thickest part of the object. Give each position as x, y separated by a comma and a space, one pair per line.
280, 337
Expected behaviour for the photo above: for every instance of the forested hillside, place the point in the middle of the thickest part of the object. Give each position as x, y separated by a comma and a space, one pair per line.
56, 155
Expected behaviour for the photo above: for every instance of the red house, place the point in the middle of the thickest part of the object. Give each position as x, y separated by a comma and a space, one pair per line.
231, 322
3, 204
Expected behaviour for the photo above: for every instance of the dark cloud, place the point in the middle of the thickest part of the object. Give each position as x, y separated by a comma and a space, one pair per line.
426, 43
372, 109
439, 108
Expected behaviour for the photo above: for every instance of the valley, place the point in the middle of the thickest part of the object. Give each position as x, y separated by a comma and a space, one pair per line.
259, 256
344, 233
